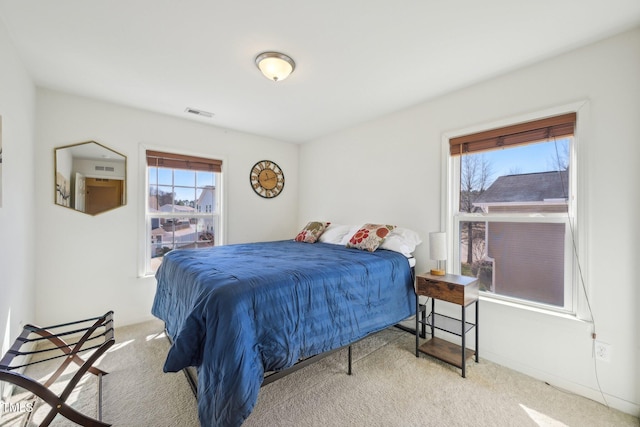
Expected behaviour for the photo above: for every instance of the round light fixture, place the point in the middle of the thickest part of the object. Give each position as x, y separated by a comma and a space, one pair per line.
275, 66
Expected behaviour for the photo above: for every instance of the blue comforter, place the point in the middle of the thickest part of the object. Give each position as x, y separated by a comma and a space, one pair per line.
238, 311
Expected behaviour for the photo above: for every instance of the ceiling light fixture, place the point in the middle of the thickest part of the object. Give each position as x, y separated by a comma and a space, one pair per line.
275, 66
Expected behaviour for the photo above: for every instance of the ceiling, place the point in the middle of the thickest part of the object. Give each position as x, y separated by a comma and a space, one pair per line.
355, 59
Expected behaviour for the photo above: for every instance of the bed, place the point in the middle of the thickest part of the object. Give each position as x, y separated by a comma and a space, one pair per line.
239, 311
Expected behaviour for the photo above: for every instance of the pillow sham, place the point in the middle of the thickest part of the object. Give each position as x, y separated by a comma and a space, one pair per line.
335, 233
369, 236
401, 240
311, 232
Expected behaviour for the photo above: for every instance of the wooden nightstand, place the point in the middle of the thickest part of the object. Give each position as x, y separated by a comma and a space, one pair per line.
460, 290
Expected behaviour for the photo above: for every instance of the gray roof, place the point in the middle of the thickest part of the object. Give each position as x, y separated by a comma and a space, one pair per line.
529, 187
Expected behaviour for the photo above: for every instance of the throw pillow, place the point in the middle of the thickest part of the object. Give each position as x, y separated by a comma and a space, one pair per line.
311, 232
369, 236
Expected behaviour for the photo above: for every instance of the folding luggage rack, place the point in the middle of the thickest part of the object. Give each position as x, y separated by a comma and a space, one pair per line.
100, 328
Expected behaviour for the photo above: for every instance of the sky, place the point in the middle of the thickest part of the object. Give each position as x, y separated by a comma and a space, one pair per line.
525, 159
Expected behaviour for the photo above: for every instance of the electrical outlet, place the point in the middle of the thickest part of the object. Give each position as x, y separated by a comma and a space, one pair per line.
602, 351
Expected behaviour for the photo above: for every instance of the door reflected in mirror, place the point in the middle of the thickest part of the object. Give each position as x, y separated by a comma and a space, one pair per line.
90, 177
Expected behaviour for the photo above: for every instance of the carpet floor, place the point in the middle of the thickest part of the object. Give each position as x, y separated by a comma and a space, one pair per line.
389, 387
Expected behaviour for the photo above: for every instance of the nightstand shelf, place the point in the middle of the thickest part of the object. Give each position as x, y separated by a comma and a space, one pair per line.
448, 324
459, 290
446, 351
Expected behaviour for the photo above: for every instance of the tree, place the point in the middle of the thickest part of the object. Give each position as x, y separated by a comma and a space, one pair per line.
560, 160
475, 177
515, 170
162, 197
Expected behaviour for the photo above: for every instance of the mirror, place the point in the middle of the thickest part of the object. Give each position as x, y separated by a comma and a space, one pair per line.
90, 177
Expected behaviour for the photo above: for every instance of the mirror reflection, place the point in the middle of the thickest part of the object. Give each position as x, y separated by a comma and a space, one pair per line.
90, 177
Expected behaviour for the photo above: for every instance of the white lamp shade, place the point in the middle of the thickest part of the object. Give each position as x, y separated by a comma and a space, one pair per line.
438, 246
275, 66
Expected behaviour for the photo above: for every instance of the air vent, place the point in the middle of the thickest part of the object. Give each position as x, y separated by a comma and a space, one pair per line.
198, 112
105, 168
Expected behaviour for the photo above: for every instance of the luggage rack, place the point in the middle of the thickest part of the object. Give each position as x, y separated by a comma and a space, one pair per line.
100, 328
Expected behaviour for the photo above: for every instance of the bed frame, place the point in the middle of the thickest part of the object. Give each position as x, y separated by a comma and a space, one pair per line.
270, 377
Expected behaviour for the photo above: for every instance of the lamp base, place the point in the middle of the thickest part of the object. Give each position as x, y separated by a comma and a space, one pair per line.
437, 272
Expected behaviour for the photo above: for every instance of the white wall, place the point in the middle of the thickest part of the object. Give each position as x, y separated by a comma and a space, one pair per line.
390, 170
89, 264
17, 213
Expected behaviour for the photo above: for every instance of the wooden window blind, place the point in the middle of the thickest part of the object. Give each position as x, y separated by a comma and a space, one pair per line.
179, 161
522, 133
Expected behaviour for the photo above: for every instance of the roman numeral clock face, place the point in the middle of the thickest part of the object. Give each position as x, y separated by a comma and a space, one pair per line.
267, 179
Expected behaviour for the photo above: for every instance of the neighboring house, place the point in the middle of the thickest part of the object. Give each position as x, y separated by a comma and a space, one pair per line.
178, 209
532, 249
207, 203
207, 200
529, 192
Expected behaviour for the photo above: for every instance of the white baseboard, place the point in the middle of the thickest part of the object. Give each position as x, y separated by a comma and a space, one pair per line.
564, 384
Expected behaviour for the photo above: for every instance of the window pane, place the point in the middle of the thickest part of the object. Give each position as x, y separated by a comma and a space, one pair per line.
153, 176
165, 176
206, 199
184, 178
204, 179
179, 233
153, 198
521, 179
165, 198
206, 232
516, 259
185, 199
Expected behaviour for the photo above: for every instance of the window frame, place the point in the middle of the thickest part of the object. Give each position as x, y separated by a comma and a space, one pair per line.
144, 237
575, 236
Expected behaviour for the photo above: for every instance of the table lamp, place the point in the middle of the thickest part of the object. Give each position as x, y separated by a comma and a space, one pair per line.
438, 251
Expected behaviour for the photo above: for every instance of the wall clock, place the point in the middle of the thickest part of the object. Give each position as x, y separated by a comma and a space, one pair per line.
267, 179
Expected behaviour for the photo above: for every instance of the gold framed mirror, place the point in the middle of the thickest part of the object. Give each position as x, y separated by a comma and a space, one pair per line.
90, 177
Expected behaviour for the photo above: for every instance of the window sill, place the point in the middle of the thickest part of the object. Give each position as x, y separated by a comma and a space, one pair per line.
559, 315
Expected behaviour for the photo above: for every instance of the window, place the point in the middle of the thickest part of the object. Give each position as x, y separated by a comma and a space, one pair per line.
183, 204
513, 203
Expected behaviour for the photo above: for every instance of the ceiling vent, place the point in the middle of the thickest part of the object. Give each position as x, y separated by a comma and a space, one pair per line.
198, 112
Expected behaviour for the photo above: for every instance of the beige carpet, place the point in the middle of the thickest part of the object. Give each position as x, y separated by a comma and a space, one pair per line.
389, 387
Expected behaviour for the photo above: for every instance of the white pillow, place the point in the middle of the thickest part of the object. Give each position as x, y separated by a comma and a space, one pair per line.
334, 234
401, 240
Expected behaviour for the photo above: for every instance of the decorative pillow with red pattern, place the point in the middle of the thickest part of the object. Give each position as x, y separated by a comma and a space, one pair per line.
311, 232
370, 236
